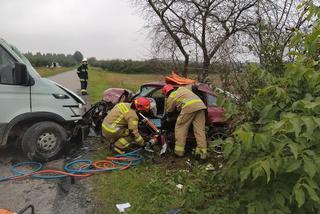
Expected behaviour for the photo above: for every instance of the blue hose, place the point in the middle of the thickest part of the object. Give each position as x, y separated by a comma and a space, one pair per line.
20, 172
17, 172
70, 167
137, 158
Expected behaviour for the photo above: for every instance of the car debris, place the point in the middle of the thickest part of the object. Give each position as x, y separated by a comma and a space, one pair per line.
123, 207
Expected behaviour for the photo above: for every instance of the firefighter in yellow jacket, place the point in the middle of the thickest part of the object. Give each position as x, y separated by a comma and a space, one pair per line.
192, 111
120, 126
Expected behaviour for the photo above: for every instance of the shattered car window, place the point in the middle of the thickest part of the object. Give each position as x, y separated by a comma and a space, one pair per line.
157, 93
145, 91
211, 100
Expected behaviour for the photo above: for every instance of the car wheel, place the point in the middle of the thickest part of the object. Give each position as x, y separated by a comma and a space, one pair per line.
44, 141
216, 133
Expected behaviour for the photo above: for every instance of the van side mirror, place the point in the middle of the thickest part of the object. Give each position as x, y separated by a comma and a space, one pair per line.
20, 74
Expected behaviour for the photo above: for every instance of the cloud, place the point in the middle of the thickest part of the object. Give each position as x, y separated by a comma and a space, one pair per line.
101, 28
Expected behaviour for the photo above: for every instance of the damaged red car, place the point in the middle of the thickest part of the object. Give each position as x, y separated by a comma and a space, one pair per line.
215, 122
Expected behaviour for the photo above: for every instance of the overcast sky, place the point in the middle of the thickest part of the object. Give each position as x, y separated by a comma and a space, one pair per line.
106, 29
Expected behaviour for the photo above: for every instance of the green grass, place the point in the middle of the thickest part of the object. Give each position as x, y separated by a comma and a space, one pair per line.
151, 188
46, 72
100, 80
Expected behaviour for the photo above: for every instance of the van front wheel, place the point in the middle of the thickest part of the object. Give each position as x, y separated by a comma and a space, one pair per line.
44, 141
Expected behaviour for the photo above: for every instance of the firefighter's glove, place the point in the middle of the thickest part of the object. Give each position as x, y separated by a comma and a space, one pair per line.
139, 140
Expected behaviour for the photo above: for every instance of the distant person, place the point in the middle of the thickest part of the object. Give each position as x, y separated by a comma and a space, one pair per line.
82, 72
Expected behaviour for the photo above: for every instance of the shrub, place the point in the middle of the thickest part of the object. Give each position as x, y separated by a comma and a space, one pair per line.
274, 154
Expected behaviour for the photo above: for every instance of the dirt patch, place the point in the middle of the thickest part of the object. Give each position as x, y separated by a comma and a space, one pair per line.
74, 198
171, 162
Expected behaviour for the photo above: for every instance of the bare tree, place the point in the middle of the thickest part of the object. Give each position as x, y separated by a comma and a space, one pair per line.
164, 46
276, 23
208, 23
161, 9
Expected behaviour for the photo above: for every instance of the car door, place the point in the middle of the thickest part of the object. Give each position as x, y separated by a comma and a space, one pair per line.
215, 113
14, 98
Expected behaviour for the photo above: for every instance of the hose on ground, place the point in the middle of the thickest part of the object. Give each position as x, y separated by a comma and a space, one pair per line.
77, 168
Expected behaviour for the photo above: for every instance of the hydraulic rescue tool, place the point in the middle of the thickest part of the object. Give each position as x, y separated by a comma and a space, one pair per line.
156, 138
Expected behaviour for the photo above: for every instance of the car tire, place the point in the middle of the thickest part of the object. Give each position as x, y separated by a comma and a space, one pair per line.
44, 141
215, 133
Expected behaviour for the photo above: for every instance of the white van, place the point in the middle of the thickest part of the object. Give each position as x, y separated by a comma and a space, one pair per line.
39, 114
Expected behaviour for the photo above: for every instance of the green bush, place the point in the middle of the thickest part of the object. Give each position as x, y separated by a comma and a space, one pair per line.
273, 156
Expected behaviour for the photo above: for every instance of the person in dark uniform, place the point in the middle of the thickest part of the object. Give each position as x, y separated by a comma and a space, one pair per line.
82, 72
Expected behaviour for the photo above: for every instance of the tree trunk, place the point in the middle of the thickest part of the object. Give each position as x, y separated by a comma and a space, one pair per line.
205, 69
186, 66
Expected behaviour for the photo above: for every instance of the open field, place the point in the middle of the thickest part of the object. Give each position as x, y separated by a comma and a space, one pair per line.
100, 80
46, 72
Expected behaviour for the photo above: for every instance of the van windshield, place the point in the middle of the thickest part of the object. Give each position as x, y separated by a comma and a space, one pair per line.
24, 59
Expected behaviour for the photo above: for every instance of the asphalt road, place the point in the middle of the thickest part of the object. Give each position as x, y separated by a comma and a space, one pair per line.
68, 79
47, 196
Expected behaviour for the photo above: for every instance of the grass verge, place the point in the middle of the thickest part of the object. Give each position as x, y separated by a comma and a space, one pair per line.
47, 72
152, 188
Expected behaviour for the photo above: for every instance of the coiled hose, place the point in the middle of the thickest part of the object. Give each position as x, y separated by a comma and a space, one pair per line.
77, 168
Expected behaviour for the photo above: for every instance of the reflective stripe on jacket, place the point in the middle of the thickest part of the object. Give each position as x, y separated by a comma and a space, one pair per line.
184, 100
122, 117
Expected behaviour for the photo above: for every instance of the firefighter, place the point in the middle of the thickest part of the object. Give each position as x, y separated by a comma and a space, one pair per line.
82, 72
120, 126
192, 111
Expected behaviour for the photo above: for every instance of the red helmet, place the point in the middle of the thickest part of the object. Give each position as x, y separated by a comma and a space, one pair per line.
142, 104
167, 88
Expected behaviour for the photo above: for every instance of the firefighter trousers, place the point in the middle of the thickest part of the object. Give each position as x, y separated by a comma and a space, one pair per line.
120, 141
198, 120
84, 85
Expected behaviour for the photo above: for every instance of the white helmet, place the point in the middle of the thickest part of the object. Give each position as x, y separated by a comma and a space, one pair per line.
84, 61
